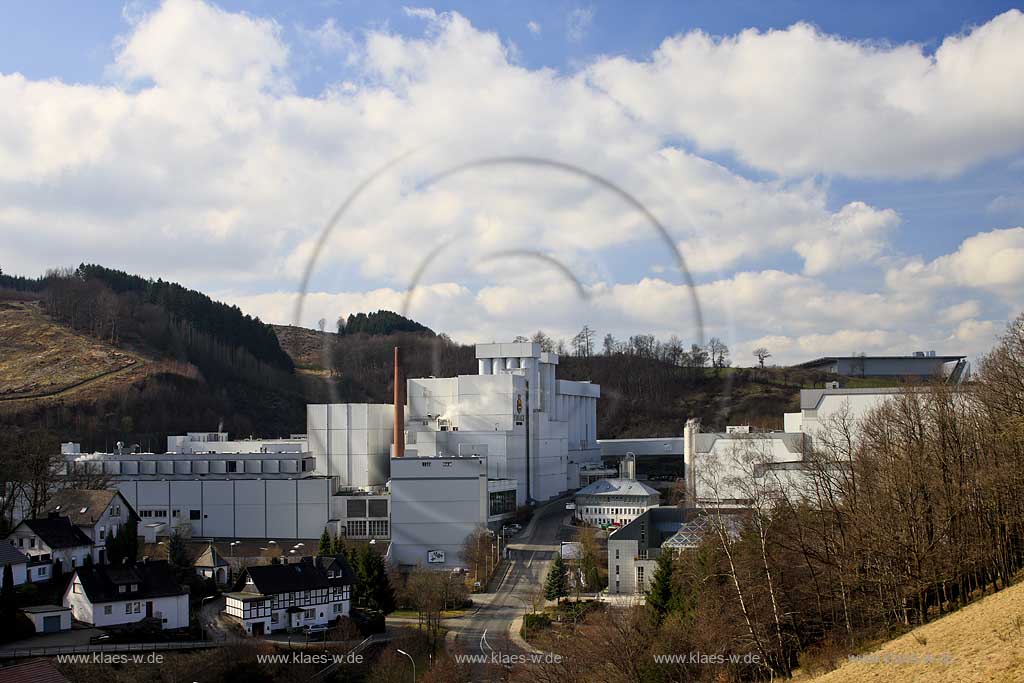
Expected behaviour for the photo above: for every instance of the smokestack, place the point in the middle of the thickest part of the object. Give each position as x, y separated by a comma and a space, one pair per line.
399, 450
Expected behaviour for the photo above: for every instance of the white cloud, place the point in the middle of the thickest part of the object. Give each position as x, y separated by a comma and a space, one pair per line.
533, 27
797, 101
331, 39
988, 261
578, 22
854, 235
203, 164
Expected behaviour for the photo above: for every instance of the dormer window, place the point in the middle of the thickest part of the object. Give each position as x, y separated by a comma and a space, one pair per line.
83, 511
122, 589
330, 573
248, 580
135, 587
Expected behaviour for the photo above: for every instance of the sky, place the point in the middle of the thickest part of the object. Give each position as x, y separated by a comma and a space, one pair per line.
815, 178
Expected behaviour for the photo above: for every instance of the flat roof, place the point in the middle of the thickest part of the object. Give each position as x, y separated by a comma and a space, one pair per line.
42, 609
829, 359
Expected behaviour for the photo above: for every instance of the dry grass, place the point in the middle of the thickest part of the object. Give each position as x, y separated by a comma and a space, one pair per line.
981, 642
40, 357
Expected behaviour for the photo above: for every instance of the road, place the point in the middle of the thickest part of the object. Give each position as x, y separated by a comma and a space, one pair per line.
485, 631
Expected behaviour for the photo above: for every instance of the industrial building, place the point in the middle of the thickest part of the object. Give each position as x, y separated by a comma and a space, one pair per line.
515, 430
922, 365
633, 550
614, 502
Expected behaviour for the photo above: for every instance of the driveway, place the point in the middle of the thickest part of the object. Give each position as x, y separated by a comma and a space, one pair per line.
78, 635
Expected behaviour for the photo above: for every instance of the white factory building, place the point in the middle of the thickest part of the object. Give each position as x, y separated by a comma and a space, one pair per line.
525, 434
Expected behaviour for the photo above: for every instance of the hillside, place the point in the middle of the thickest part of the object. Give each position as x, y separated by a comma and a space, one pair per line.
983, 641
640, 396
42, 358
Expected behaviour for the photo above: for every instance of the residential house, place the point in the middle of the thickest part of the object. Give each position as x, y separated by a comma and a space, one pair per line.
49, 540
99, 513
108, 595
9, 555
276, 597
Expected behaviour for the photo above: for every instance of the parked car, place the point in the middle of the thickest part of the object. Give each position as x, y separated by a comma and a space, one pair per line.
101, 639
315, 630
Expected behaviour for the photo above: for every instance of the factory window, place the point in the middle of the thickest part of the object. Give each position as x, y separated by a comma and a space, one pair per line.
378, 507
232, 466
310, 614
357, 527
424, 464
355, 508
108, 609
502, 502
193, 514
616, 553
378, 527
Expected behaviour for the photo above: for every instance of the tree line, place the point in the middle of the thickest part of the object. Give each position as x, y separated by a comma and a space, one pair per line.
910, 512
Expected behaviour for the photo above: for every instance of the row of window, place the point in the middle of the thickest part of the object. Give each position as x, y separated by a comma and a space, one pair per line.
366, 527
611, 511
162, 513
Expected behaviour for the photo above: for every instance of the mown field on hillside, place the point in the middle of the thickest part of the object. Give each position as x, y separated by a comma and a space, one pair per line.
983, 641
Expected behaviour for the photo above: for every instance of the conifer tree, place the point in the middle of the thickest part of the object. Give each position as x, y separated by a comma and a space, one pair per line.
660, 595
556, 586
326, 544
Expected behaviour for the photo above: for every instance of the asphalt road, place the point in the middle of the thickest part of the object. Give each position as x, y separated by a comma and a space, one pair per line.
485, 631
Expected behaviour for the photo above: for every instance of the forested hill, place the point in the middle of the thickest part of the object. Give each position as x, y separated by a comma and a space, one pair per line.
122, 306
641, 394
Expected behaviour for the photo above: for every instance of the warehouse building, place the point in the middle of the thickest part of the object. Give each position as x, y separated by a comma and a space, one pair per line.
921, 365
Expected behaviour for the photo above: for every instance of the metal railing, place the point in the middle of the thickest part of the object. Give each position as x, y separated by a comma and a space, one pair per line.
50, 650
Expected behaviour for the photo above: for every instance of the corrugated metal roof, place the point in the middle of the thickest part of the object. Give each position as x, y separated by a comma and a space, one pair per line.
617, 487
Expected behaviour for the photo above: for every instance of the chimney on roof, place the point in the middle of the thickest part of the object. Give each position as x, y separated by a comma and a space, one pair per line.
399, 427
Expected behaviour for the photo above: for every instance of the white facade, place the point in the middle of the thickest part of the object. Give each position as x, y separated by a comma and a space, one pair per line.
819, 406
10, 555
361, 515
351, 441
731, 468
49, 618
172, 610
42, 556
236, 508
609, 502
436, 502
536, 429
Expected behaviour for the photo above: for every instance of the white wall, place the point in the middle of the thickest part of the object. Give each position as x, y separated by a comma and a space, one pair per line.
18, 573
238, 508
173, 609
435, 504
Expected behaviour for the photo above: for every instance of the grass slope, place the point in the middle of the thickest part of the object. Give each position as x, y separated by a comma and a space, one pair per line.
981, 642
42, 358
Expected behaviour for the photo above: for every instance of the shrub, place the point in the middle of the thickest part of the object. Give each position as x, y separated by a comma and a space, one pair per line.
534, 622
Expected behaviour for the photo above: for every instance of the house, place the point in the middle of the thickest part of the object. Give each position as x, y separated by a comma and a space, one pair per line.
10, 555
614, 501
211, 565
48, 540
99, 513
106, 595
49, 618
276, 597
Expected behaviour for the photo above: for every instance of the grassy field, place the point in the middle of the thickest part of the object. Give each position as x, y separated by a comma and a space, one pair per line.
981, 642
41, 357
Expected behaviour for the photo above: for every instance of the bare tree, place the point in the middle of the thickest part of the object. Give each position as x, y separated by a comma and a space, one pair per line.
762, 354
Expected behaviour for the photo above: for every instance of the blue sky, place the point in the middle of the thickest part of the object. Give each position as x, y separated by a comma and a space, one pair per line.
838, 176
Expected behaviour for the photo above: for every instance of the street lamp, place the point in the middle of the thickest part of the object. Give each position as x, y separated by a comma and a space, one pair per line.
403, 652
